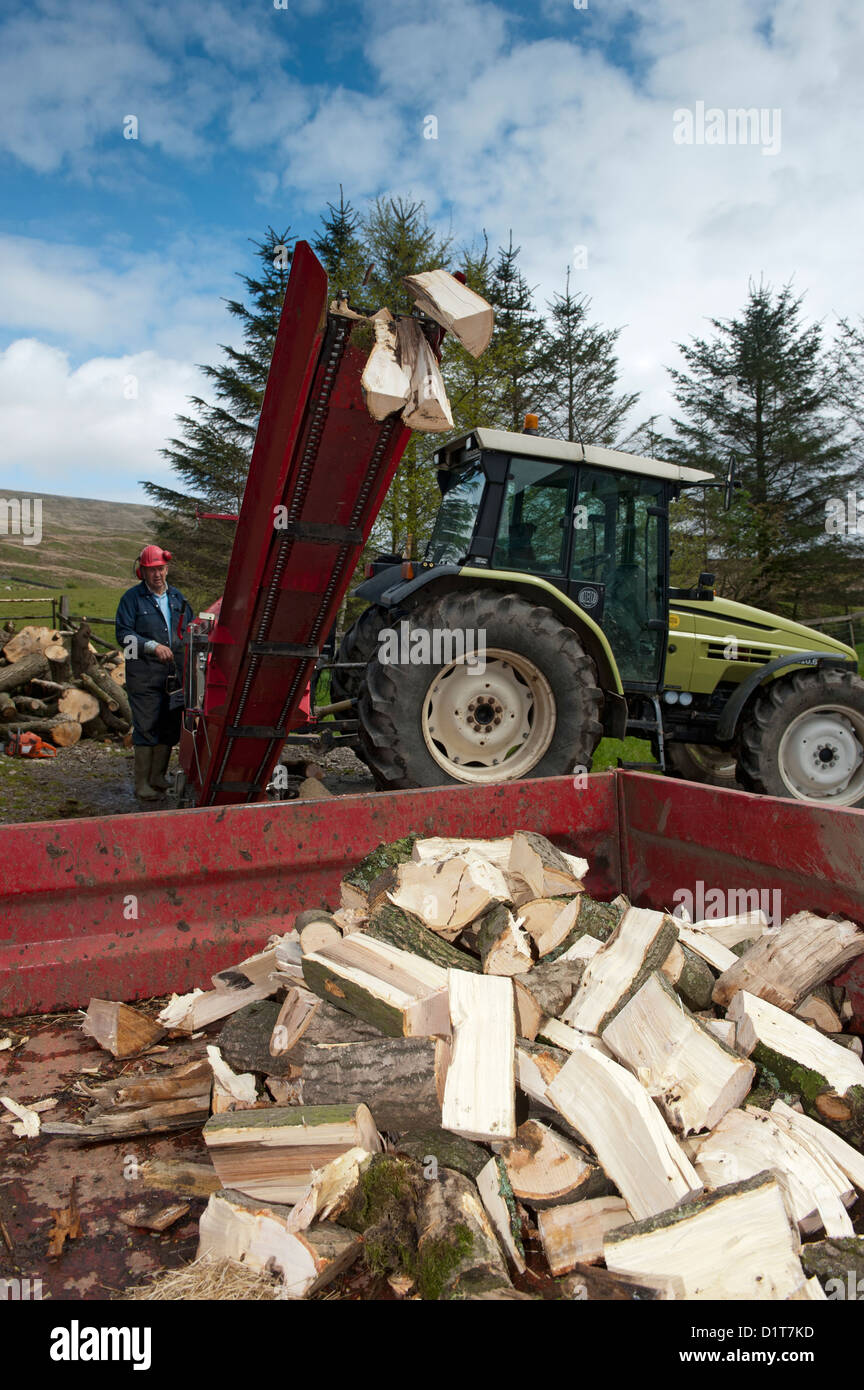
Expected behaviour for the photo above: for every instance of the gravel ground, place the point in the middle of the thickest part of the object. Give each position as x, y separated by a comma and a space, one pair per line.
95, 779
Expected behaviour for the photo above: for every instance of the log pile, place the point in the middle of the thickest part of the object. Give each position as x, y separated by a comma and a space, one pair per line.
474, 1112
56, 685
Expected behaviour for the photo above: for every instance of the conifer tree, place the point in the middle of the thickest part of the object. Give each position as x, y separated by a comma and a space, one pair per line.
339, 249
580, 367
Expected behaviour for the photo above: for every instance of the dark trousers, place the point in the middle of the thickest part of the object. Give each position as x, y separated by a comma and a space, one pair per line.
153, 722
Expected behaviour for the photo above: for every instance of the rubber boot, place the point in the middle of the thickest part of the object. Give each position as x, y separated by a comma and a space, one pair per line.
143, 760
161, 759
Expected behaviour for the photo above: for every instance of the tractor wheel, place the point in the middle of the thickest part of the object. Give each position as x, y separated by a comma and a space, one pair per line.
805, 739
359, 644
532, 712
703, 762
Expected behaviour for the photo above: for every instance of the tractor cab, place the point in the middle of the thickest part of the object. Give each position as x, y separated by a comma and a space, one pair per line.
591, 522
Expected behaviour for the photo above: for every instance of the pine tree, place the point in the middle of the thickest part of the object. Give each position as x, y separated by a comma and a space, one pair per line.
212, 458
519, 344
760, 390
340, 251
580, 366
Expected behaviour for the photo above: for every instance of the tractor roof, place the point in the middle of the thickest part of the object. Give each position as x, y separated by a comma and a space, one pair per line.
562, 451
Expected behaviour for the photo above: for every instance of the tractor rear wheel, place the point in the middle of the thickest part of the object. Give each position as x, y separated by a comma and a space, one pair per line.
525, 703
804, 738
703, 762
359, 644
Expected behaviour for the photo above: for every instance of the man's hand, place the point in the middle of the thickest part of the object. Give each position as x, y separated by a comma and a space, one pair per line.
164, 653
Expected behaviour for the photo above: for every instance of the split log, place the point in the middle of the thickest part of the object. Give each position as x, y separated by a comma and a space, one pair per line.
691, 976
479, 1095
231, 1091
272, 1153
451, 894
625, 1129
318, 934
850, 1161
436, 848
62, 730
749, 1141
731, 931
547, 1170
427, 408
574, 1234
119, 1029
691, 1075
584, 948
405, 931
161, 1117
591, 1284
716, 955
187, 1013
178, 1175
395, 1077
253, 970
332, 1189
458, 1255
501, 942
816, 1009
297, 1012
640, 944
236, 1228
724, 1029
496, 1194
245, 1039
112, 689
25, 669
550, 922
735, 1243
537, 1066
545, 992
541, 867
559, 1034
147, 1217
400, 994
457, 308
828, 1078
386, 380
785, 967
356, 884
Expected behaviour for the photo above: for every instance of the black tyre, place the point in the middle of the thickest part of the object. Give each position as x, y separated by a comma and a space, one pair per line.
804, 738
532, 712
703, 762
359, 643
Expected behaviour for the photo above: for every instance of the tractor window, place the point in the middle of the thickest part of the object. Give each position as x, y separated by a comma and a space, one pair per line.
462, 489
532, 533
616, 543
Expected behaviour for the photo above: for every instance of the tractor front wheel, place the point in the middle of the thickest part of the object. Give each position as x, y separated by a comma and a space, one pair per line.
487, 688
804, 738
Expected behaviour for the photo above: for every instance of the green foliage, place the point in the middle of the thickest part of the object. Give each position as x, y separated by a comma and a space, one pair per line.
762, 389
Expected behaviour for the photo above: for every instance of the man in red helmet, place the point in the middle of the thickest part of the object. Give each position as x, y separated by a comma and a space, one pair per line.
151, 618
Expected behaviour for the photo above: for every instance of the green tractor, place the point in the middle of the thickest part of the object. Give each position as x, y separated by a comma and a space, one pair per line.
542, 619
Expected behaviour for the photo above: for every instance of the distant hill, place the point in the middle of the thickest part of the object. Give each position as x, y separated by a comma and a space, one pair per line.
85, 543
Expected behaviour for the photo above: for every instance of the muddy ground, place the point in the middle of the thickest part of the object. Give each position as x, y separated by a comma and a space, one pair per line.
95, 779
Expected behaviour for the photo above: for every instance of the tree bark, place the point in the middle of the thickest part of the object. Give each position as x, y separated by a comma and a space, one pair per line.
395, 1077
18, 673
115, 692
81, 657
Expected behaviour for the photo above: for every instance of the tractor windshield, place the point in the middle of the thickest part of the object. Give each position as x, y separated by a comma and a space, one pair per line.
462, 489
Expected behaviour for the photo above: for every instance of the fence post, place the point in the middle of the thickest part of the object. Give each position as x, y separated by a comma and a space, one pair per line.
64, 606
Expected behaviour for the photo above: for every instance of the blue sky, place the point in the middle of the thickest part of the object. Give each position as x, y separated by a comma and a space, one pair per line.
115, 253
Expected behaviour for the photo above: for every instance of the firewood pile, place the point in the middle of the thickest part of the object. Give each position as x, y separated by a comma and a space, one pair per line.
55, 685
485, 1084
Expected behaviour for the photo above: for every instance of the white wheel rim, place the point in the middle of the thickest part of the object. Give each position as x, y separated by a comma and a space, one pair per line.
821, 755
489, 726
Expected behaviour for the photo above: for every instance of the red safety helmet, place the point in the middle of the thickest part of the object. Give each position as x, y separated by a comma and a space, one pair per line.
150, 557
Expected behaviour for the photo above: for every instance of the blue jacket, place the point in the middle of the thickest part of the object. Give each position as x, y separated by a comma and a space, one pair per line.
139, 617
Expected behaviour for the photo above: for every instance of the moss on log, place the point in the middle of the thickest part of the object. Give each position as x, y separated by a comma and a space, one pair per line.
448, 1150
402, 929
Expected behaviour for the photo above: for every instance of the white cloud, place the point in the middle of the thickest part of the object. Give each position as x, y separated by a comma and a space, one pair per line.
92, 431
